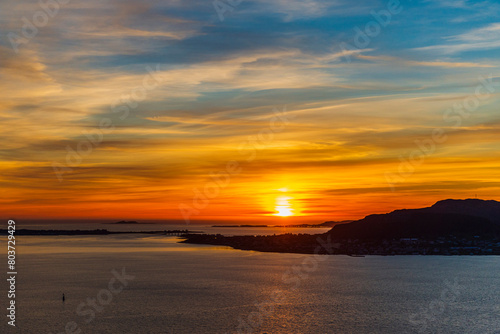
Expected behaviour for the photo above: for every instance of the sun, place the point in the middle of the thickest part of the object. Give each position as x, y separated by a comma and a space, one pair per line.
283, 207
284, 212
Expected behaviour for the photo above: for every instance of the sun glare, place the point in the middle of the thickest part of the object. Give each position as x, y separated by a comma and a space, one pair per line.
284, 212
283, 207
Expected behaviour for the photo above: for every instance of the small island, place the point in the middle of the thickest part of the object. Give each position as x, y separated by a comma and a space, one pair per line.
132, 222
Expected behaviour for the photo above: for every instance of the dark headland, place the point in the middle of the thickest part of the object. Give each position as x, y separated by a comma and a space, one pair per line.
449, 227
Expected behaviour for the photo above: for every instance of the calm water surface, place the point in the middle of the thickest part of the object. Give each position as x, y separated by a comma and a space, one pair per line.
181, 288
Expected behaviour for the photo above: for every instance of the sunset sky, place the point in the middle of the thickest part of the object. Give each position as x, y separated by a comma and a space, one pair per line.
161, 110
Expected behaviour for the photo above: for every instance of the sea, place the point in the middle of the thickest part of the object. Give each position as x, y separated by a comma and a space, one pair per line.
140, 283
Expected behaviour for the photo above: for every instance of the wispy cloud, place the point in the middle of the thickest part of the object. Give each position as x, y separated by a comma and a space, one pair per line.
405, 62
485, 38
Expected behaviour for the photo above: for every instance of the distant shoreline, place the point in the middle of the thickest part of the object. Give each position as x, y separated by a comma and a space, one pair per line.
322, 225
97, 232
306, 243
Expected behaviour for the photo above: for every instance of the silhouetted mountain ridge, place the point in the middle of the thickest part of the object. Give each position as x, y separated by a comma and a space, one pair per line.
472, 207
460, 218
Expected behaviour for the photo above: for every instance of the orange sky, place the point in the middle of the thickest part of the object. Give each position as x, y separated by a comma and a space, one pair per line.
166, 113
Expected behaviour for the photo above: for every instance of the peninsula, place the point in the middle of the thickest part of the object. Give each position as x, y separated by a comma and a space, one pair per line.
450, 227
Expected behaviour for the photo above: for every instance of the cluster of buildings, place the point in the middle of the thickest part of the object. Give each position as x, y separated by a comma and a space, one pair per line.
414, 246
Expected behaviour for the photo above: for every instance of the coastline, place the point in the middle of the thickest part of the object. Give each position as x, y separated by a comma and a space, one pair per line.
308, 244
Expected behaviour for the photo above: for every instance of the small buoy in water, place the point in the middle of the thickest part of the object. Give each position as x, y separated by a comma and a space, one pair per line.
64, 298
